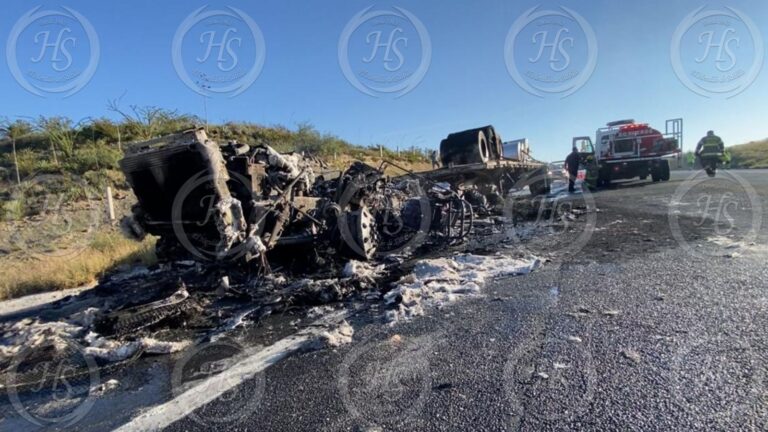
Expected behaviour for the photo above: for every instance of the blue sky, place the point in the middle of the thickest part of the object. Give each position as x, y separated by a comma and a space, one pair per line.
467, 83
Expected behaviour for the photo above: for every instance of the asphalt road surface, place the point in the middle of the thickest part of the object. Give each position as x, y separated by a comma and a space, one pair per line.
648, 314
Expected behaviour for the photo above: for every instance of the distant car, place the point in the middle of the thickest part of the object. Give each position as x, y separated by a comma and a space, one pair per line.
557, 171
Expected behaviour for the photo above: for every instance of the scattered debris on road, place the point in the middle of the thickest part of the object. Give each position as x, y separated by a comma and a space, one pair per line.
631, 355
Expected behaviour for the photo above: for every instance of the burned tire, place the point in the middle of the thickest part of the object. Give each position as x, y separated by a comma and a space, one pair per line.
360, 239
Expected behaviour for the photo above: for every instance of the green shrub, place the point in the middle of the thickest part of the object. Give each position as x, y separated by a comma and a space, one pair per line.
93, 156
12, 210
32, 162
99, 180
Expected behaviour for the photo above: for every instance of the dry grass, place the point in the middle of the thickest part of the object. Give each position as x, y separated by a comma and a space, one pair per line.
29, 275
343, 162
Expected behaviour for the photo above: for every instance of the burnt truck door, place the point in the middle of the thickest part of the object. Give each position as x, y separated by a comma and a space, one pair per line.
588, 159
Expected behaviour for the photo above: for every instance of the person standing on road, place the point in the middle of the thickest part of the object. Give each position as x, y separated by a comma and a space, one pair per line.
711, 146
572, 166
710, 151
435, 162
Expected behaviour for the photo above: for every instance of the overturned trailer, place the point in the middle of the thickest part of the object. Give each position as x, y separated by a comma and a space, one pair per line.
239, 203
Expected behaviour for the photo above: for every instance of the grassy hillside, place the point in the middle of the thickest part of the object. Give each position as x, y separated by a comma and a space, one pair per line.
751, 155
57, 145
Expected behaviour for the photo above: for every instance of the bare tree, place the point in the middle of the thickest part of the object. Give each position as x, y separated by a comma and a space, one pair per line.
146, 122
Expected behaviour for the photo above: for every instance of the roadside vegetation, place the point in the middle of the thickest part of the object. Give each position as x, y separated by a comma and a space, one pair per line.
56, 166
753, 155
25, 274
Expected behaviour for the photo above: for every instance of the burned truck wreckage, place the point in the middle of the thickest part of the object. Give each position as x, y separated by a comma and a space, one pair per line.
243, 204
244, 233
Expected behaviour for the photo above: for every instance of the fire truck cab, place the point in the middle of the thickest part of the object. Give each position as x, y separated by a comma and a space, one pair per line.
625, 149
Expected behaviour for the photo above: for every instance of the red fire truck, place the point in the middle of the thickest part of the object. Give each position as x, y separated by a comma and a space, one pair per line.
626, 149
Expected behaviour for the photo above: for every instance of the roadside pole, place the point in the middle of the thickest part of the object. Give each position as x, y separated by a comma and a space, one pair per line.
110, 205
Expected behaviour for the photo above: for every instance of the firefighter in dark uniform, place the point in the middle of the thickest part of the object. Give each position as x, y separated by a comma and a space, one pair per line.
710, 150
572, 166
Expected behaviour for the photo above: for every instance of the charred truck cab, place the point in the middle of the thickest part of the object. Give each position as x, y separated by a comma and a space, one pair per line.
626, 150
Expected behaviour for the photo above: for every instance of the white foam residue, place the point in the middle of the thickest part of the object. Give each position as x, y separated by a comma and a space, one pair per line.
112, 351
361, 270
35, 334
437, 282
105, 388
154, 346
725, 242
339, 336
85, 318
31, 334
318, 311
238, 320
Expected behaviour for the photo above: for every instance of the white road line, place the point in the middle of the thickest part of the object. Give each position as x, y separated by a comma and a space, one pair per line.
162, 416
